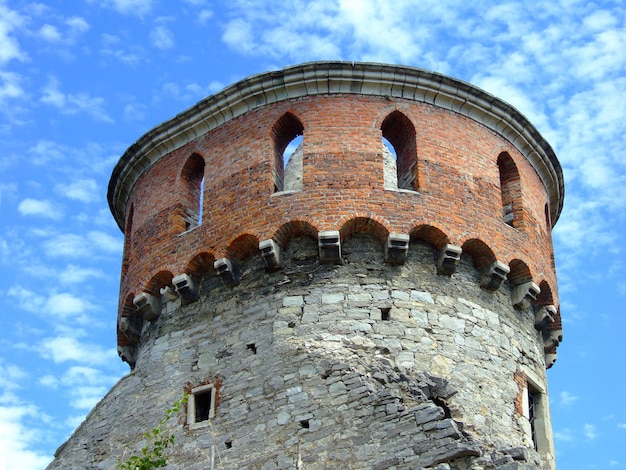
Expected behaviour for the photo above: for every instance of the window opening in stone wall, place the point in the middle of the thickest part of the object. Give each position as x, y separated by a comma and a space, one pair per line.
532, 398
399, 132
192, 177
510, 189
384, 313
201, 404
286, 133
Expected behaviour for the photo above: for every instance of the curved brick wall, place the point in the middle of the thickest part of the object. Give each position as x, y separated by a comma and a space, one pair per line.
445, 342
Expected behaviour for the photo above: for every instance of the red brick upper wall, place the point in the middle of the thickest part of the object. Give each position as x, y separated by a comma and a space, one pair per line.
460, 132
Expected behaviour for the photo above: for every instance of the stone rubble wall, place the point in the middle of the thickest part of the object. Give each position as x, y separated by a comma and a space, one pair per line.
354, 366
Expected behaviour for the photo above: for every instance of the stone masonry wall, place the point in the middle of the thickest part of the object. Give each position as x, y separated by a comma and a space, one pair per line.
355, 366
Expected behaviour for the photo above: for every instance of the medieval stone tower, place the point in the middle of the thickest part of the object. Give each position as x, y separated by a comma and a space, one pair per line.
356, 308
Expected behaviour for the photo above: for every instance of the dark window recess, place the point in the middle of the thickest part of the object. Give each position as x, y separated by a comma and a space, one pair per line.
532, 414
251, 347
384, 313
304, 423
203, 405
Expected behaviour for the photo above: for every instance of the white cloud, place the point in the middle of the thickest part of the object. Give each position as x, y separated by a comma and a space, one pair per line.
50, 33
19, 430
45, 151
590, 432
85, 190
130, 7
106, 242
9, 48
74, 274
162, 38
10, 86
39, 208
564, 435
74, 103
566, 398
68, 348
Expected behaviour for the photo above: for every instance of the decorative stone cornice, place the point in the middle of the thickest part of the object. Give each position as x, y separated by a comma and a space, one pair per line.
323, 78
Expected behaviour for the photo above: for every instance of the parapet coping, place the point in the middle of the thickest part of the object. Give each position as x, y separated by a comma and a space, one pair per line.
324, 78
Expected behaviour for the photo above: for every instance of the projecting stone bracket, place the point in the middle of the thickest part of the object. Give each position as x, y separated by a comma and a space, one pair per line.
272, 254
168, 293
227, 271
524, 294
397, 248
186, 288
494, 275
551, 339
544, 316
131, 328
148, 306
550, 359
448, 261
329, 243
128, 354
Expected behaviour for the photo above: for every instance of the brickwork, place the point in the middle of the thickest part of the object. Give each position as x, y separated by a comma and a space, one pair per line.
419, 362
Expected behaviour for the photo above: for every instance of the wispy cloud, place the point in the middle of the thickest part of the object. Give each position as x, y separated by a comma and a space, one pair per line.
162, 38
66, 348
590, 432
84, 190
36, 207
130, 7
566, 398
73, 103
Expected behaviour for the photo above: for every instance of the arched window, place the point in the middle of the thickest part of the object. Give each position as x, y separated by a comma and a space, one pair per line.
127, 241
192, 178
510, 190
285, 133
398, 131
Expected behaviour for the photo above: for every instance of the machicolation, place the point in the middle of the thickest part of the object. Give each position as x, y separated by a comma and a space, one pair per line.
384, 299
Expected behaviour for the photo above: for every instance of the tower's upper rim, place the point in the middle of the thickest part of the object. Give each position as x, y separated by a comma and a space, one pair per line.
328, 78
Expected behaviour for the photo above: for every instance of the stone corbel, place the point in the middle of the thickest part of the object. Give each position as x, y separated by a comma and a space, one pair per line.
329, 243
168, 293
448, 261
131, 328
544, 316
397, 248
550, 359
148, 306
524, 294
128, 354
551, 339
272, 254
494, 275
186, 288
227, 271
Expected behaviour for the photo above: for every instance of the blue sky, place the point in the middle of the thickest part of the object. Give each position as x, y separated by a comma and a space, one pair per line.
81, 80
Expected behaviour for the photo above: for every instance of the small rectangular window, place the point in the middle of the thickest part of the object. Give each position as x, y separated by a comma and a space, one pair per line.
201, 404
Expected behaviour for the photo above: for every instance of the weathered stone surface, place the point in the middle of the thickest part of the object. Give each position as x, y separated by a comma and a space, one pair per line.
343, 392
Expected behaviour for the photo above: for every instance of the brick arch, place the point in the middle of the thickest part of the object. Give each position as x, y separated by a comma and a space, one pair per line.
510, 191
295, 228
243, 246
399, 130
285, 129
479, 251
158, 281
189, 185
365, 224
200, 264
545, 297
430, 234
520, 272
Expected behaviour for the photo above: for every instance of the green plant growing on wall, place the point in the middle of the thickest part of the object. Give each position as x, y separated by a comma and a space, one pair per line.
153, 454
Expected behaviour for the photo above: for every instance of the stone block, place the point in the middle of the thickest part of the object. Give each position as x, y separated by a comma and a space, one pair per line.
272, 254
396, 248
494, 275
329, 244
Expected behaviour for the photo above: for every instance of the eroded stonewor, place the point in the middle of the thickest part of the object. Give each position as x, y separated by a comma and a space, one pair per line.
386, 298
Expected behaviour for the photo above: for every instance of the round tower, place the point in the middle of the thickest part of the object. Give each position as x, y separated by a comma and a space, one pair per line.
387, 298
